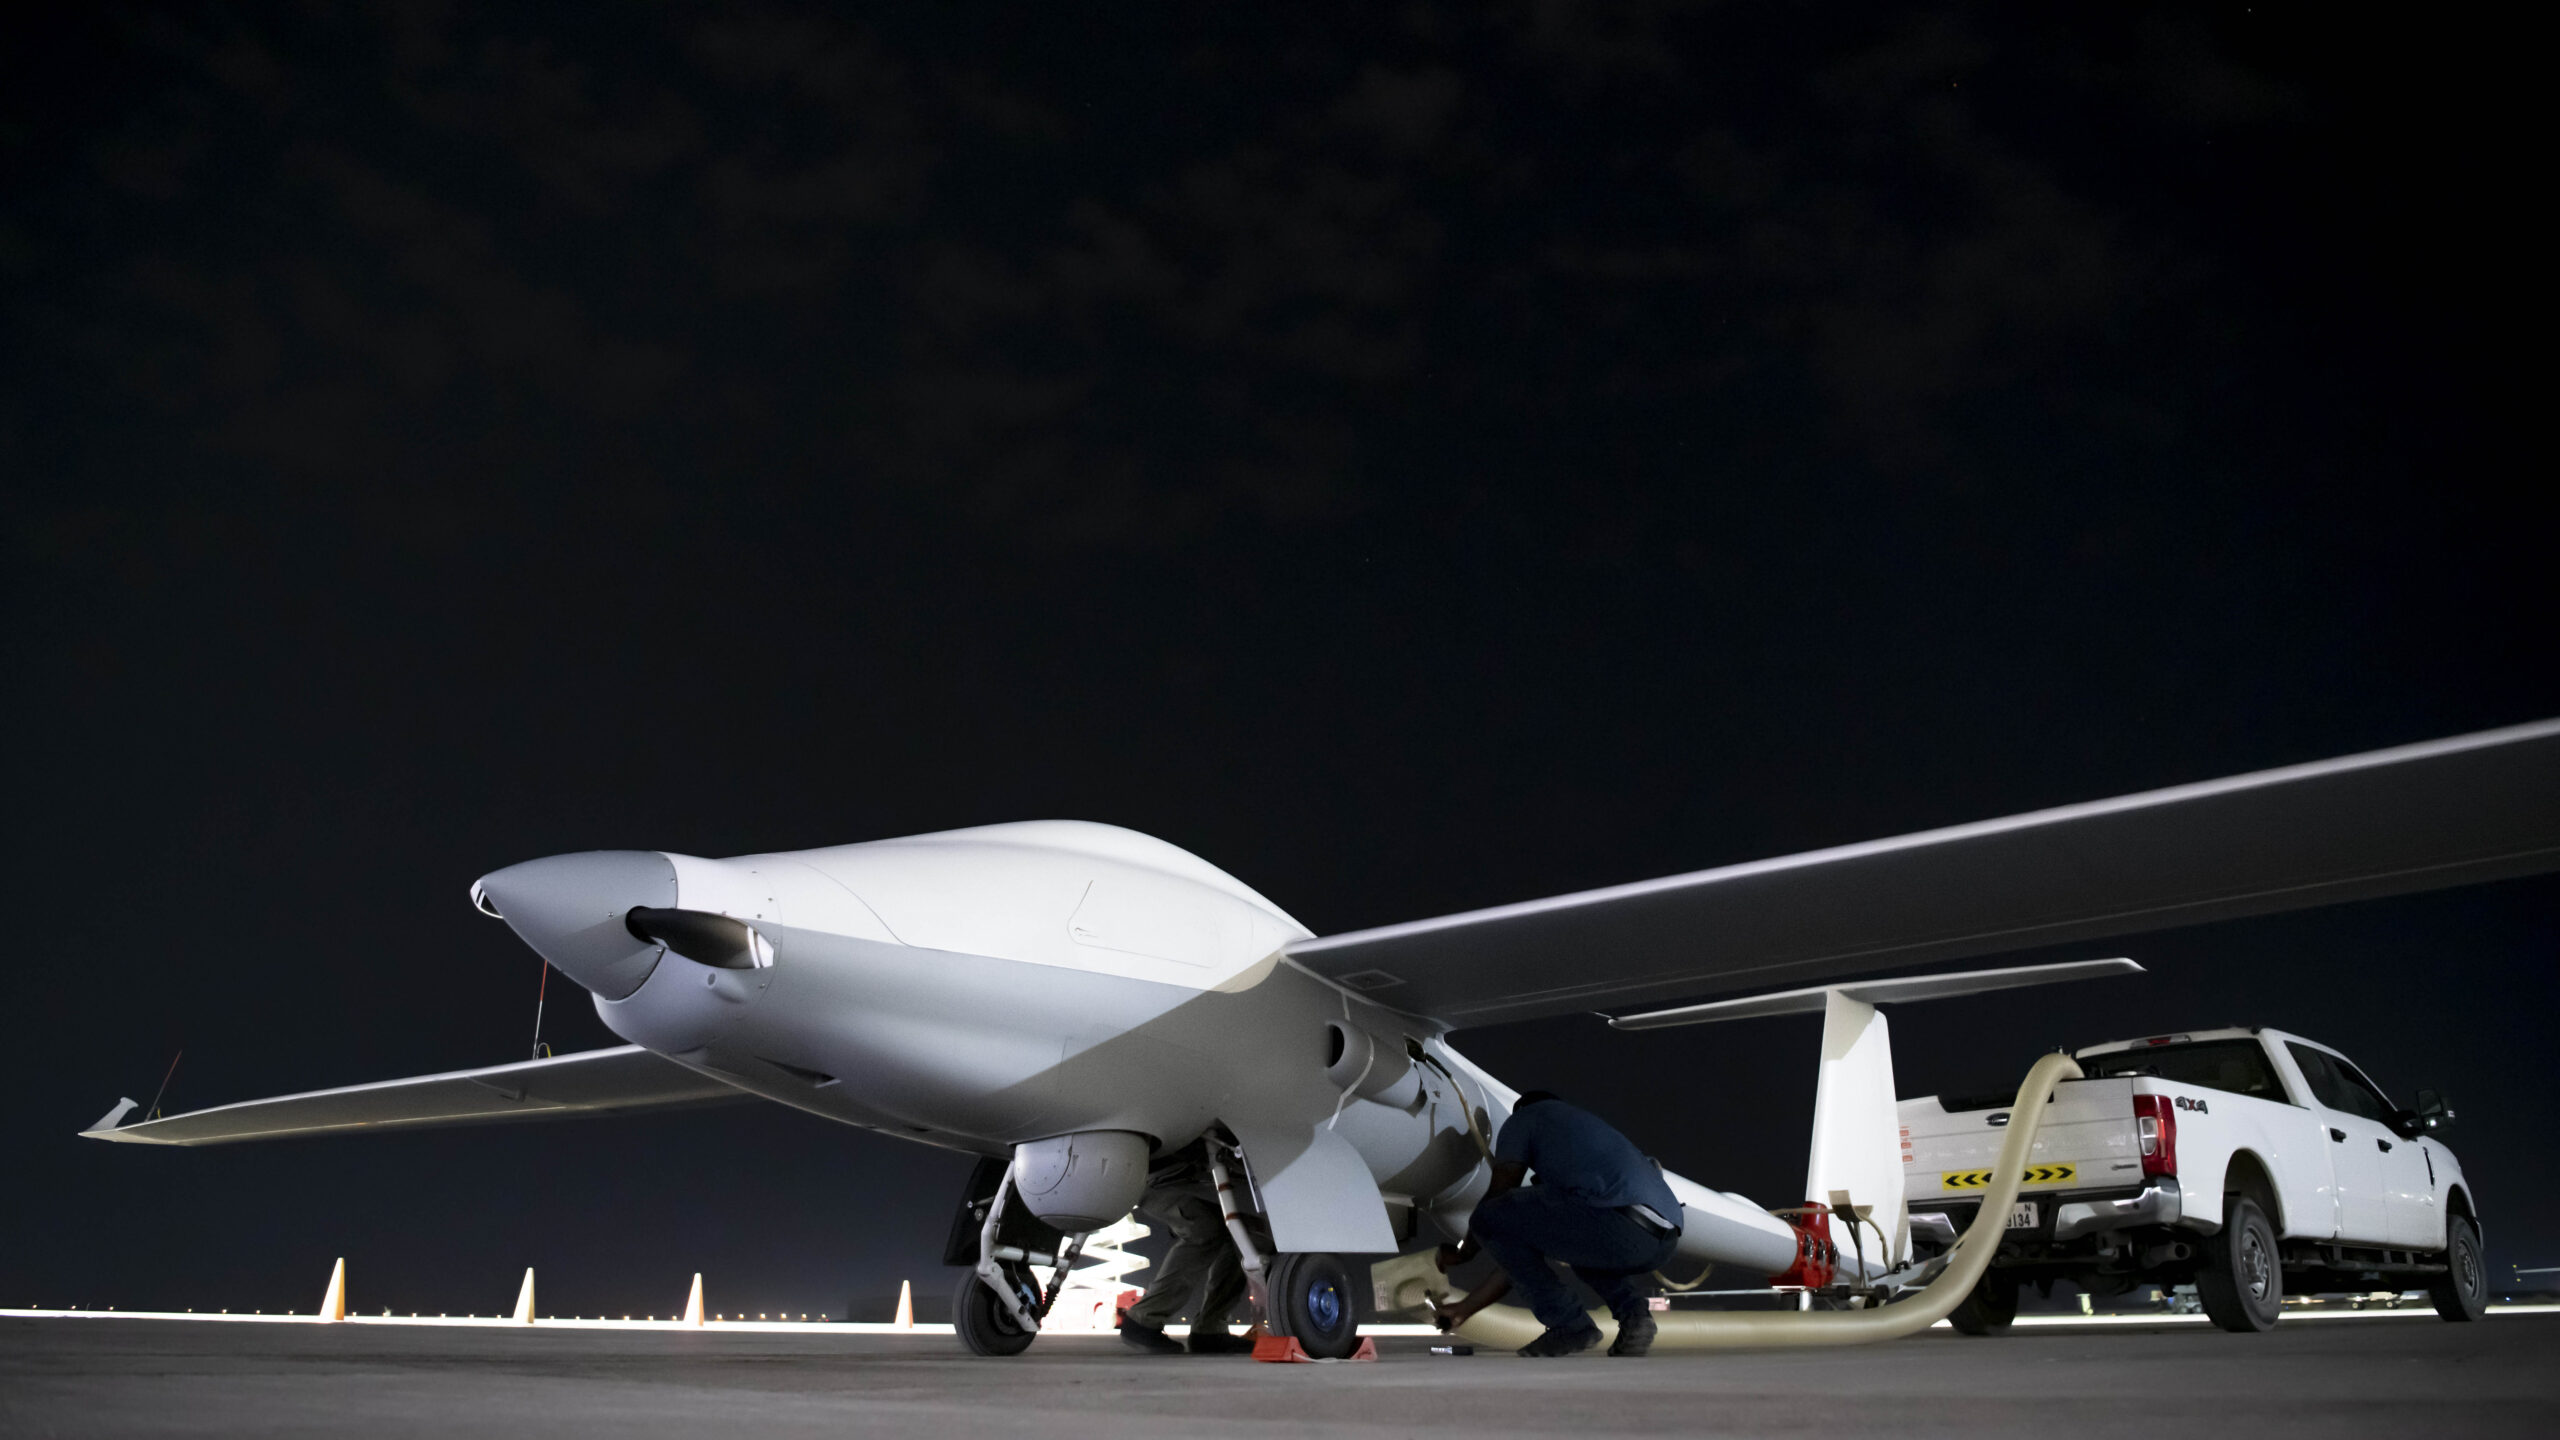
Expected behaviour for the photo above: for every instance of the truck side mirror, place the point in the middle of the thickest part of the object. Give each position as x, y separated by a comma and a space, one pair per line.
2433, 1112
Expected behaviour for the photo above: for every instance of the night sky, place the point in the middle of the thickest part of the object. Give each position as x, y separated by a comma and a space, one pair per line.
1414, 457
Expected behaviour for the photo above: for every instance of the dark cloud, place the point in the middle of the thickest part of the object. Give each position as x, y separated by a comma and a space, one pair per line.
1264, 270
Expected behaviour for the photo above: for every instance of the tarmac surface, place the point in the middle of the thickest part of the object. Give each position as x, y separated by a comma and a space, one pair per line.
2369, 1376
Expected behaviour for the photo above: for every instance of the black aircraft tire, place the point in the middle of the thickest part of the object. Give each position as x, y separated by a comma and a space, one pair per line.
2462, 1292
1315, 1302
2241, 1282
1988, 1307
985, 1325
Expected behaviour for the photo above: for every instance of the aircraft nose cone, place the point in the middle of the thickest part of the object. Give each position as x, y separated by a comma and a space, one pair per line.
572, 910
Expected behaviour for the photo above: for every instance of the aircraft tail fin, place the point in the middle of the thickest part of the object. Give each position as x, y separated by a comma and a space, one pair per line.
1858, 1152
1856, 1159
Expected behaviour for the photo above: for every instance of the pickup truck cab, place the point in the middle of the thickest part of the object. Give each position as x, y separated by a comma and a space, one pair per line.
2244, 1161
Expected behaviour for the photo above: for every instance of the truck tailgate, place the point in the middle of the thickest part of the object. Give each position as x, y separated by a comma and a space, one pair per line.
2087, 1142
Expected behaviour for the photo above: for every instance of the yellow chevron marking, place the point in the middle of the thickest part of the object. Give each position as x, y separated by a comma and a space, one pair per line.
1981, 1179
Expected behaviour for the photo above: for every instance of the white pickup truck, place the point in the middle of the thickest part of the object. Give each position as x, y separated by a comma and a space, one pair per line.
2245, 1162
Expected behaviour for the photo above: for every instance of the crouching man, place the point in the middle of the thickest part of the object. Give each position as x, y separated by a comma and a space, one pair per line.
1599, 1205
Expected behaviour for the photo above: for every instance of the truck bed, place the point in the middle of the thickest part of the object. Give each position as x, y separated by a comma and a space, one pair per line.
2087, 1143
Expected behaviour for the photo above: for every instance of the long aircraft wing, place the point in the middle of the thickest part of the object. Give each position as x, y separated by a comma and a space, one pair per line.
593, 1082
2449, 812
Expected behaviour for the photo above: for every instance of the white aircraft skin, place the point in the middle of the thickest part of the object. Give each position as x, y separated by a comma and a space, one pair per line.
1039, 987
983, 988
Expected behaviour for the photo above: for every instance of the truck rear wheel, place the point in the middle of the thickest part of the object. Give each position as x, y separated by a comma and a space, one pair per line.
1988, 1307
2462, 1292
2241, 1279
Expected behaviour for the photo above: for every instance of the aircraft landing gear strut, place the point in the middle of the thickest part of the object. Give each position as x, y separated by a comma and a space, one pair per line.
1001, 1301
1309, 1297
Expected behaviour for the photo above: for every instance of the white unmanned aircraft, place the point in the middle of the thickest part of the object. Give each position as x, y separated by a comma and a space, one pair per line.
1066, 999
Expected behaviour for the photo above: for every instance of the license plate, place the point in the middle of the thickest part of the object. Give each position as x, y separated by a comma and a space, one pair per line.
2022, 1216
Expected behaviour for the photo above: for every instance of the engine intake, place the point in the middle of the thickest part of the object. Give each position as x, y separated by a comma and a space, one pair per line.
1369, 1067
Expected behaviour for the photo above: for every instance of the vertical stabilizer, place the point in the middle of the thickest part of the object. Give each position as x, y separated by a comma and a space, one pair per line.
1858, 1146
1857, 1134
693, 1302
524, 1299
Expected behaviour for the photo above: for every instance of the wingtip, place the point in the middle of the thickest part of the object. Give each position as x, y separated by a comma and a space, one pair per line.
109, 1123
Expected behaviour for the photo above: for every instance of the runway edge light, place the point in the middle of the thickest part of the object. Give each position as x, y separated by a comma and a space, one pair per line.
524, 1299
692, 1302
333, 1306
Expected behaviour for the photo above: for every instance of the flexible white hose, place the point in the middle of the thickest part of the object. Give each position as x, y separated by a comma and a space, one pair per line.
1511, 1325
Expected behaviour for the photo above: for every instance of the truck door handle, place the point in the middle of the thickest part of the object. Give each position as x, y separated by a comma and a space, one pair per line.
2337, 1134
2385, 1144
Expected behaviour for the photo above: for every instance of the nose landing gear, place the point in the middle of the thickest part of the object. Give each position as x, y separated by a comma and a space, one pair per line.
1000, 1302
985, 1323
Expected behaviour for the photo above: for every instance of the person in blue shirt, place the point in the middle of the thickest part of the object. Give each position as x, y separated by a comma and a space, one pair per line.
1591, 1200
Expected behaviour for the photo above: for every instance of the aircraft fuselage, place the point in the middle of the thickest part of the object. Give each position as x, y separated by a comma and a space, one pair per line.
985, 988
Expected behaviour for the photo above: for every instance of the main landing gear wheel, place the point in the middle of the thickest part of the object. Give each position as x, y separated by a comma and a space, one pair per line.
1988, 1307
1314, 1302
985, 1325
2462, 1291
2241, 1281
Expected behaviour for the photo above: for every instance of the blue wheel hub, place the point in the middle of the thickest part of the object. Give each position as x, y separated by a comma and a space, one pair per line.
1324, 1304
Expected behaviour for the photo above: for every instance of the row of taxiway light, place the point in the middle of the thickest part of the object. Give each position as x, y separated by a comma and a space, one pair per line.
333, 1309
333, 1306
1086, 1304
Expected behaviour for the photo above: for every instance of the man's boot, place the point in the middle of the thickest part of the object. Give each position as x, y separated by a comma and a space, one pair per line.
1635, 1332
1147, 1339
1563, 1340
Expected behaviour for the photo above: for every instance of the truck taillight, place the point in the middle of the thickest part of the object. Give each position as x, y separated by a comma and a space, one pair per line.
2155, 1125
